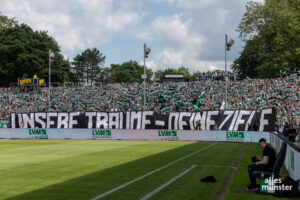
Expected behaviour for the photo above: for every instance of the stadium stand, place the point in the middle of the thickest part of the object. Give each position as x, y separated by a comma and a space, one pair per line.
281, 93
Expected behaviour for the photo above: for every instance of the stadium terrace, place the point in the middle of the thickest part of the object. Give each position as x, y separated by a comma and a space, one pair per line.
281, 93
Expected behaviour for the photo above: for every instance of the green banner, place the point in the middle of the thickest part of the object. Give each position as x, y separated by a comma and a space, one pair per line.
38, 133
235, 136
101, 133
3, 125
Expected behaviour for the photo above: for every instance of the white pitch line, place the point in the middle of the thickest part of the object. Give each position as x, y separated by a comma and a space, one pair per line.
167, 183
222, 166
149, 173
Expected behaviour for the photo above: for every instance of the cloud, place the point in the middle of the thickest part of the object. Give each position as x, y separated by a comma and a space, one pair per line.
191, 34
195, 37
197, 4
76, 24
192, 65
172, 30
150, 65
181, 44
162, 1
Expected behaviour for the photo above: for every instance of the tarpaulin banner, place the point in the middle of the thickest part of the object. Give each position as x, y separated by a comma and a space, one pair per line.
232, 120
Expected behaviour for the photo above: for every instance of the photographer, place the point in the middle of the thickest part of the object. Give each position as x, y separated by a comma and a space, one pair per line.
261, 164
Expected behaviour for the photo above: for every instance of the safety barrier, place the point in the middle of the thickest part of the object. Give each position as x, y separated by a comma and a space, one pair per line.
117, 134
292, 158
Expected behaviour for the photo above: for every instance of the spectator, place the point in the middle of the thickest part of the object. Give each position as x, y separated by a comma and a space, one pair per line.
261, 164
255, 94
290, 133
255, 127
297, 139
198, 125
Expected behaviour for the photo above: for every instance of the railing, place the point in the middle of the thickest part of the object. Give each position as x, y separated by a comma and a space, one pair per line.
292, 158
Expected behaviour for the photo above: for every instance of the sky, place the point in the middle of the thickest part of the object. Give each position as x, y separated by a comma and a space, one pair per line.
188, 33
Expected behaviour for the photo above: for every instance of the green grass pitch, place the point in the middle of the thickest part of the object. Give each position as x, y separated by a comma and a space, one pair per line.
85, 169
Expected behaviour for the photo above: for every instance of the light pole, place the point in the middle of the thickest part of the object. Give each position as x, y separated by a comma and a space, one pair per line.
51, 56
146, 54
228, 44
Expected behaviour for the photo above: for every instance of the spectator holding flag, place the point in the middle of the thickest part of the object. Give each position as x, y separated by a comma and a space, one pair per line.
248, 94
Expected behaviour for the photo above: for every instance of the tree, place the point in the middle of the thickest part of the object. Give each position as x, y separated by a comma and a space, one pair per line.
271, 32
249, 58
6, 22
105, 76
185, 72
88, 65
195, 76
129, 72
24, 51
169, 71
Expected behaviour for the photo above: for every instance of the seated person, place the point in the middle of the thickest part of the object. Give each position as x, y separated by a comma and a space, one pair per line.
297, 139
261, 164
291, 133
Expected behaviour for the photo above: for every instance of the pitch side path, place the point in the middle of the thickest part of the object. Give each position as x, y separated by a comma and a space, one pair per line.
88, 169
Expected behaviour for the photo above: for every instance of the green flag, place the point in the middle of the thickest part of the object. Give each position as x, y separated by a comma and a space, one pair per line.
161, 99
165, 109
204, 93
197, 103
119, 102
248, 78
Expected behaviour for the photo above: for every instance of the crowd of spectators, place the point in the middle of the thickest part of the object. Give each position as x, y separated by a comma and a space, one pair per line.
281, 93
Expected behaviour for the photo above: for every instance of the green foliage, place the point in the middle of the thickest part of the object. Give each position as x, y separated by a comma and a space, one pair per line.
24, 51
271, 32
105, 76
129, 72
170, 71
248, 58
88, 65
194, 76
6, 22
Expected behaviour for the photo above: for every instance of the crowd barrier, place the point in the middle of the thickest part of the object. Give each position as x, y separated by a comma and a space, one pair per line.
292, 158
119, 134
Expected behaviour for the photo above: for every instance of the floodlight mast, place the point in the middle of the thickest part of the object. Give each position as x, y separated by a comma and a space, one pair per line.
225, 71
228, 45
146, 54
51, 56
